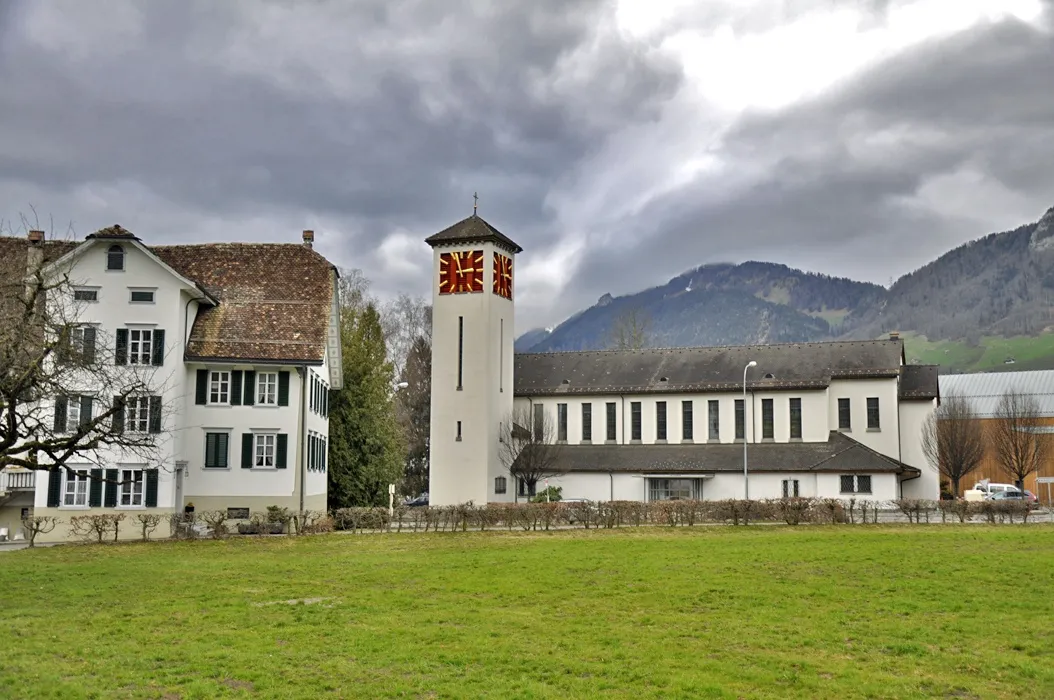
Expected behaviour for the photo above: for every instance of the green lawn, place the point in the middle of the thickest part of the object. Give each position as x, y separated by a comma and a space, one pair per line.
720, 612
989, 355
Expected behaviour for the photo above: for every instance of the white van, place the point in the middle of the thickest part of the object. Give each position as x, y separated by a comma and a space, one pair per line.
984, 489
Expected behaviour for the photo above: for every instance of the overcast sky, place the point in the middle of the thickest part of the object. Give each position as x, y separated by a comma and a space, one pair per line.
619, 143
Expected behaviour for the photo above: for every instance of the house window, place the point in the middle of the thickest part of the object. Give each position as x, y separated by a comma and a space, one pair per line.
130, 492
139, 347
76, 491
561, 422
634, 409
115, 258
499, 484
674, 489
267, 388
844, 422
767, 420
142, 296
219, 386
81, 345
527, 488
216, 450
611, 426
790, 488
73, 414
795, 415
86, 295
263, 449
686, 420
855, 483
137, 414
741, 421
539, 423
660, 420
587, 422
872, 413
713, 408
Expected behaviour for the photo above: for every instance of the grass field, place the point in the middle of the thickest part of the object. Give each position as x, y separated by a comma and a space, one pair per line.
721, 612
988, 355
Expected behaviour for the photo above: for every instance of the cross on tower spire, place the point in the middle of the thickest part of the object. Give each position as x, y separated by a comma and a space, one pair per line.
475, 202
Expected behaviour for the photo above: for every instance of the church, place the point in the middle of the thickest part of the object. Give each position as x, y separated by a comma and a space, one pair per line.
839, 419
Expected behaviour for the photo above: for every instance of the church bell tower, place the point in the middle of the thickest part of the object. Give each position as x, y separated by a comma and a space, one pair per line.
472, 354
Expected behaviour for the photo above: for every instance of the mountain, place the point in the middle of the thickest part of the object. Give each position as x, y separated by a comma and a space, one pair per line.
720, 304
984, 304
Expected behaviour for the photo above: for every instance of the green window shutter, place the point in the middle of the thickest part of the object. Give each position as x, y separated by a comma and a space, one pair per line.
89, 345
110, 499
283, 388
86, 406
223, 450
247, 450
61, 403
155, 414
280, 448
95, 488
201, 390
236, 387
250, 388
118, 414
159, 348
55, 488
210, 450
120, 355
151, 488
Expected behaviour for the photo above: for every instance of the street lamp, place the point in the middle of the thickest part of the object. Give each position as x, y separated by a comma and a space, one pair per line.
746, 482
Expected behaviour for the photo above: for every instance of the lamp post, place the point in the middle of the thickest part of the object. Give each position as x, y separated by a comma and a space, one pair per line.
746, 481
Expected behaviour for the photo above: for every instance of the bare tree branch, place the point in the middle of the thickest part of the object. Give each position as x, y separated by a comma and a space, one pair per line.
63, 395
1015, 435
630, 330
953, 439
528, 448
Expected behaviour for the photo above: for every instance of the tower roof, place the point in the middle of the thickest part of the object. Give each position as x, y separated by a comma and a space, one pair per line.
472, 230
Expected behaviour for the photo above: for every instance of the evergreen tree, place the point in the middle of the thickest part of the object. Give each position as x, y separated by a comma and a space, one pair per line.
414, 405
365, 448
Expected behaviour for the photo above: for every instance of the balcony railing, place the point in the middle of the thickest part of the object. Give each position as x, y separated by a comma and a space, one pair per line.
17, 481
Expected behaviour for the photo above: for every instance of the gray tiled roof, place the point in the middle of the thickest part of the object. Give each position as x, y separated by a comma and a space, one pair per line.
671, 370
472, 230
986, 389
919, 382
839, 454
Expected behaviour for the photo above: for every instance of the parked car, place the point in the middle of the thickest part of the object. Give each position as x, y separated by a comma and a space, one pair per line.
1008, 496
421, 500
984, 490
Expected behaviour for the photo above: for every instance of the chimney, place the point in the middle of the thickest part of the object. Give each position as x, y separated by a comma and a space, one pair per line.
309, 237
894, 335
34, 260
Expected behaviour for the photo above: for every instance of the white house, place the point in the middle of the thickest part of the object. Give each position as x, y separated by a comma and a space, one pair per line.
240, 344
836, 419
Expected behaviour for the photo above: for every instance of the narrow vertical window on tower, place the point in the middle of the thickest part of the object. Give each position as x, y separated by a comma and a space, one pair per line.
458, 431
501, 358
460, 348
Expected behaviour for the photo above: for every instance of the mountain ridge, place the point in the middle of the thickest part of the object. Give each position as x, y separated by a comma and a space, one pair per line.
995, 287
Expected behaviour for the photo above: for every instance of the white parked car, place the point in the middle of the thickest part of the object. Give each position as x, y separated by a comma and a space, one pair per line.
984, 490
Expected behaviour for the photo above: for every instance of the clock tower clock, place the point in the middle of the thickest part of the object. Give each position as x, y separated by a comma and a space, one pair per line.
472, 354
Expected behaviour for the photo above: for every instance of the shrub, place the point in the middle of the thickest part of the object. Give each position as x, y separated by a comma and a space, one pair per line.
549, 495
216, 520
39, 525
148, 522
182, 526
97, 526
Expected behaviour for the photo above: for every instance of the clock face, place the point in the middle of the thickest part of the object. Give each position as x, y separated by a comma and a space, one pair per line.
502, 276
461, 272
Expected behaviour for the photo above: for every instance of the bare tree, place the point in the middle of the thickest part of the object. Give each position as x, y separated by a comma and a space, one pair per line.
630, 329
404, 320
528, 448
63, 394
1015, 435
953, 439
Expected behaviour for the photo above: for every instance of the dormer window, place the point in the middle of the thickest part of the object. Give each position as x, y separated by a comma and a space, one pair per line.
115, 258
